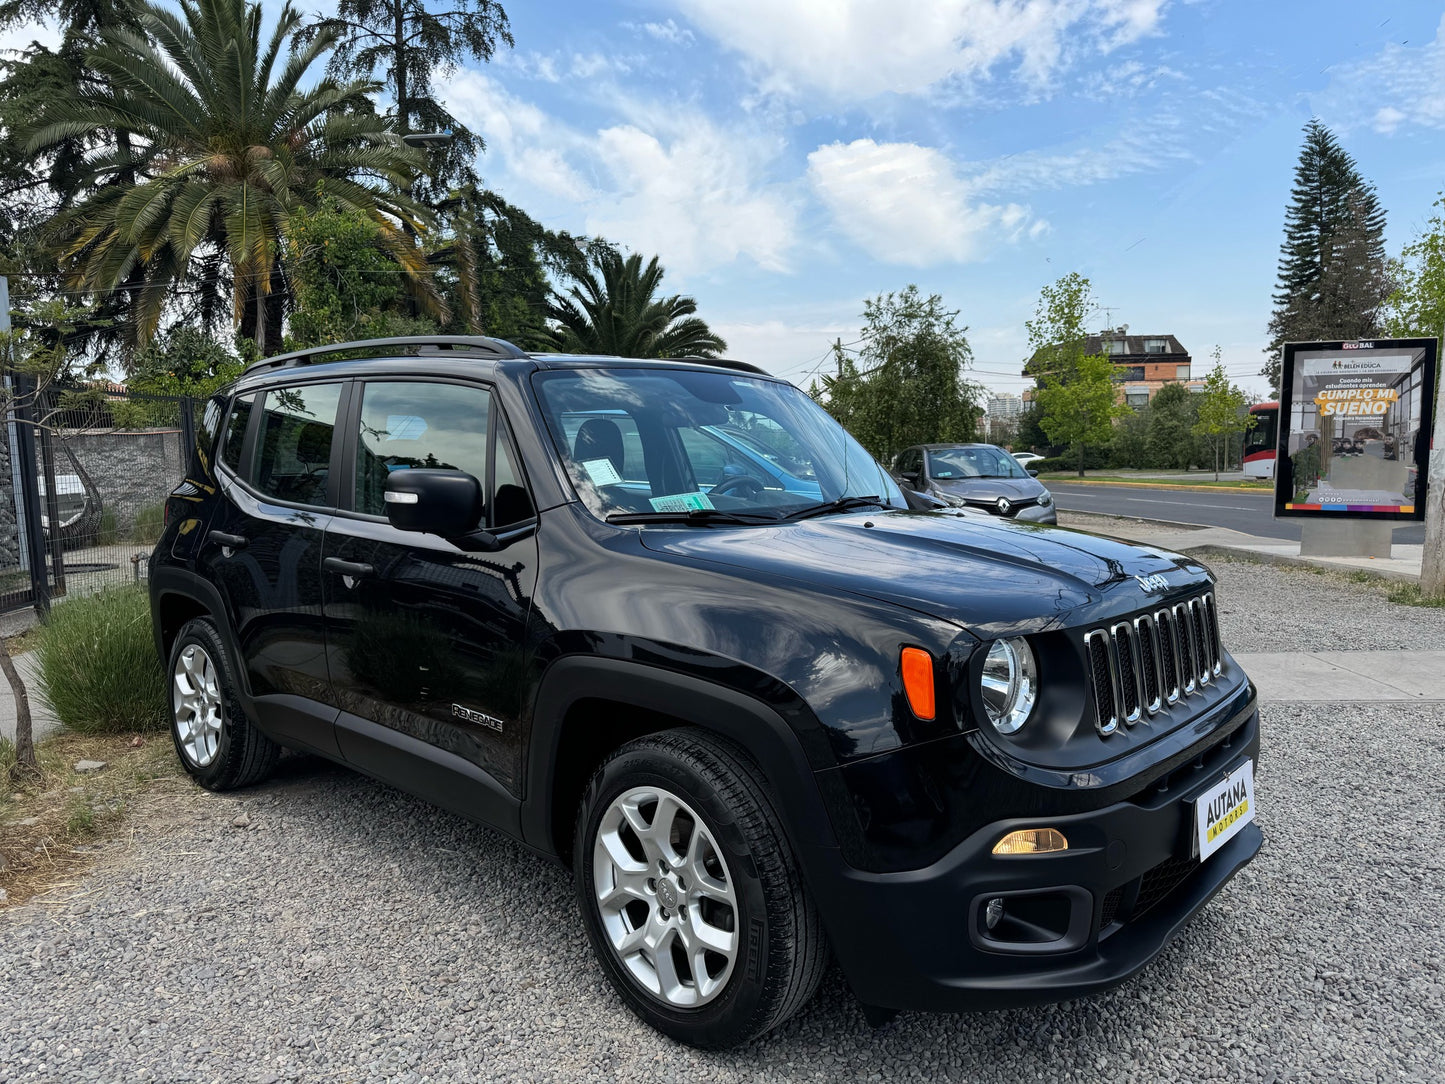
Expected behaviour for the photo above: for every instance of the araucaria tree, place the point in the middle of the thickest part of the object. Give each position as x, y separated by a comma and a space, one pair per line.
230, 140
1221, 411
614, 309
1333, 279
1077, 396
407, 43
907, 385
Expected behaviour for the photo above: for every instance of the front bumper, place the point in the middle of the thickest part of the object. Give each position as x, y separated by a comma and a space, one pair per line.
1118, 895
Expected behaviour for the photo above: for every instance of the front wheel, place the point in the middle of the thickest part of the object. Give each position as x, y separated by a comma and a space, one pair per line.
690, 894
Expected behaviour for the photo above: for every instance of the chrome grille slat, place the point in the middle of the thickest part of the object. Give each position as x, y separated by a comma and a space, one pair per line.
1148, 663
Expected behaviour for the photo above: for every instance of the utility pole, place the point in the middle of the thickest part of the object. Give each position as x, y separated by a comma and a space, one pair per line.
1432, 568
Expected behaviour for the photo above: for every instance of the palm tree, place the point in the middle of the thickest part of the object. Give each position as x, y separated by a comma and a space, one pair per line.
226, 146
621, 316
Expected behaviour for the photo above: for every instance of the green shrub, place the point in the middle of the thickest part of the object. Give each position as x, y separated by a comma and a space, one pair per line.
150, 521
106, 533
98, 665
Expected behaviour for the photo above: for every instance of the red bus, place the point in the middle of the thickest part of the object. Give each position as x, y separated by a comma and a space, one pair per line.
1261, 441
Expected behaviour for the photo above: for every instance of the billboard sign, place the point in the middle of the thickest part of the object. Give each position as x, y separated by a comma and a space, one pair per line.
1354, 429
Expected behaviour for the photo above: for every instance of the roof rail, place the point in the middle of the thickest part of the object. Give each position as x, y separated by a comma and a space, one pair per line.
728, 363
461, 344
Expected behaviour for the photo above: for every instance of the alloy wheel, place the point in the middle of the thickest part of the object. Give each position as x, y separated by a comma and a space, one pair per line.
666, 898
196, 701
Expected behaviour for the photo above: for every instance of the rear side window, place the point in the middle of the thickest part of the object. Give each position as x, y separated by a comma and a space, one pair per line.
209, 428
293, 460
235, 435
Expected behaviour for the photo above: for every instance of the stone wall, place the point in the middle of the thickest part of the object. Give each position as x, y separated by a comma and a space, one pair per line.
132, 468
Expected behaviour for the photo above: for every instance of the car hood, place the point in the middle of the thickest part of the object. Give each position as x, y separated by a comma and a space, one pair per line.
992, 576
991, 489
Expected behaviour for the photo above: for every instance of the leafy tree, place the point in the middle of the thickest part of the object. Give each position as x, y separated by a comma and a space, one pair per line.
1130, 447
1416, 308
181, 362
411, 42
619, 313
1078, 399
1332, 273
1081, 410
911, 387
1058, 331
497, 264
1221, 412
345, 280
1031, 434
228, 149
1173, 413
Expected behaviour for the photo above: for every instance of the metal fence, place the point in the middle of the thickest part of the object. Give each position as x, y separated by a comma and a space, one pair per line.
87, 480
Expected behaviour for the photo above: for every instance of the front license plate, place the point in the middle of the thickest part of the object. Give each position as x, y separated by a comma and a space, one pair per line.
1224, 809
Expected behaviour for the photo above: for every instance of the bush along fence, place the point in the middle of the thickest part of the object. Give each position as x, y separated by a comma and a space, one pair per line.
83, 483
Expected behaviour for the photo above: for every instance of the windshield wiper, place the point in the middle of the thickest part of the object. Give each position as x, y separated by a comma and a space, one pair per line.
693, 515
842, 504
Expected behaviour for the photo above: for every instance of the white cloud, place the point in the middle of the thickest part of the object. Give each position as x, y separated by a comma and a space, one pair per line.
906, 204
668, 183
1402, 86
668, 32
796, 352
853, 50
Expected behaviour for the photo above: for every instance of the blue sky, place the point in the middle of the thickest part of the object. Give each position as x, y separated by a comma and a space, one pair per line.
788, 158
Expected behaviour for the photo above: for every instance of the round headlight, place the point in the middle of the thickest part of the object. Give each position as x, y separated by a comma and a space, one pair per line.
1010, 684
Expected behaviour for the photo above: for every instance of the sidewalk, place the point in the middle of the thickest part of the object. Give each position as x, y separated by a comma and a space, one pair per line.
42, 722
1403, 565
1339, 677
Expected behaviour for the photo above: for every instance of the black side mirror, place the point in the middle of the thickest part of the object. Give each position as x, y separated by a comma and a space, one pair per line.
441, 502
912, 475
1033, 474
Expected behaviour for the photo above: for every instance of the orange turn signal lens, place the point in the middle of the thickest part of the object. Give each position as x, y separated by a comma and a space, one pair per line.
1032, 841
918, 681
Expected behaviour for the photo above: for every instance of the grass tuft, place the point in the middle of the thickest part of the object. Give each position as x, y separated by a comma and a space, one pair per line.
1408, 594
98, 665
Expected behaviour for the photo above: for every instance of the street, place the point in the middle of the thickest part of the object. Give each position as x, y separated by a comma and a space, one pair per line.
1246, 510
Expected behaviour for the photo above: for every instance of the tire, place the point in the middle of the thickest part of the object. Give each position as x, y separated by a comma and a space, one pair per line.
735, 951
218, 744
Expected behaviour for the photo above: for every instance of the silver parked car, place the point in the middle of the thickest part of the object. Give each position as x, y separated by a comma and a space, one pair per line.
981, 476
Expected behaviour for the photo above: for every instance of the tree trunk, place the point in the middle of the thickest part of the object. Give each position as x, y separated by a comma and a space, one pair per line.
25, 762
1081, 460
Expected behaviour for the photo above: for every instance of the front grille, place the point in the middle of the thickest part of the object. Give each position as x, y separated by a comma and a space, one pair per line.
1160, 881
1138, 897
1144, 664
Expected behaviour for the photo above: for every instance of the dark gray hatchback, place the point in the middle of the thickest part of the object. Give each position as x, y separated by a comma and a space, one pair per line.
979, 476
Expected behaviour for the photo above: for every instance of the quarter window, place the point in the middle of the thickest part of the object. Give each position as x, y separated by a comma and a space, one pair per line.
294, 458
236, 432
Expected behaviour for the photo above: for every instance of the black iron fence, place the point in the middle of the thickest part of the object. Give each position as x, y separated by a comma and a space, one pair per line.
82, 500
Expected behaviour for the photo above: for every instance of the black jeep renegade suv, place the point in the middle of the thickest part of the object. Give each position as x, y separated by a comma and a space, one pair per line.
667, 621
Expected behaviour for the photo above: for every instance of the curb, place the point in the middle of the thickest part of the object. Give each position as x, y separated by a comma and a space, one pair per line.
1211, 549
1063, 481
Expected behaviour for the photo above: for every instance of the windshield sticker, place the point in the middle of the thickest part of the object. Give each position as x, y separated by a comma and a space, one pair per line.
601, 471
680, 502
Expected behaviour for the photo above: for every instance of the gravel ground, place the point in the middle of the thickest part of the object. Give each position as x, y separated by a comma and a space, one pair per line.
346, 932
1275, 608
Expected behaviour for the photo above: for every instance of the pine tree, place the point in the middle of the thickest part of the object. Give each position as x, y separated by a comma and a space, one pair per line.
1332, 271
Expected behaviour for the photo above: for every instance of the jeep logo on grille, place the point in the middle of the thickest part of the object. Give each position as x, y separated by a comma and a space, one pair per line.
1153, 582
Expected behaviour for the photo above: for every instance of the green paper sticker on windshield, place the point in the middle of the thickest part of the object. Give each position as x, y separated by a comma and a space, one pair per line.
680, 502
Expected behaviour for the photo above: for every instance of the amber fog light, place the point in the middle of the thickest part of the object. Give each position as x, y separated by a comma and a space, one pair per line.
1032, 841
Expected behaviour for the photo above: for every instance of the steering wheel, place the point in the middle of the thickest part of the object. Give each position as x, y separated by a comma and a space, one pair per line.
746, 482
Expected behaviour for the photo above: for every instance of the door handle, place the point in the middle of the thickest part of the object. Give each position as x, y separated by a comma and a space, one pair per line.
355, 569
230, 541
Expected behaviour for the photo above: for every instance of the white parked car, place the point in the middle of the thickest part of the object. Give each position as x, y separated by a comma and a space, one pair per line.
1026, 458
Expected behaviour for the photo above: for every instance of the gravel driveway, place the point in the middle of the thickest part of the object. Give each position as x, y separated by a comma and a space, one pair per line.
347, 932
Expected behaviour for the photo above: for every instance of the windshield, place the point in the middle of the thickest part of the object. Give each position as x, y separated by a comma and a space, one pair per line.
642, 441
984, 461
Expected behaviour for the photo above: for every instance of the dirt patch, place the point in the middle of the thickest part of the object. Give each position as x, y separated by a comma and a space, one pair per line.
54, 826
1122, 526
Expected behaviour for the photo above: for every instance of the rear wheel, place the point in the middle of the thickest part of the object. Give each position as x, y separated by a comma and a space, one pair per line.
217, 742
690, 894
